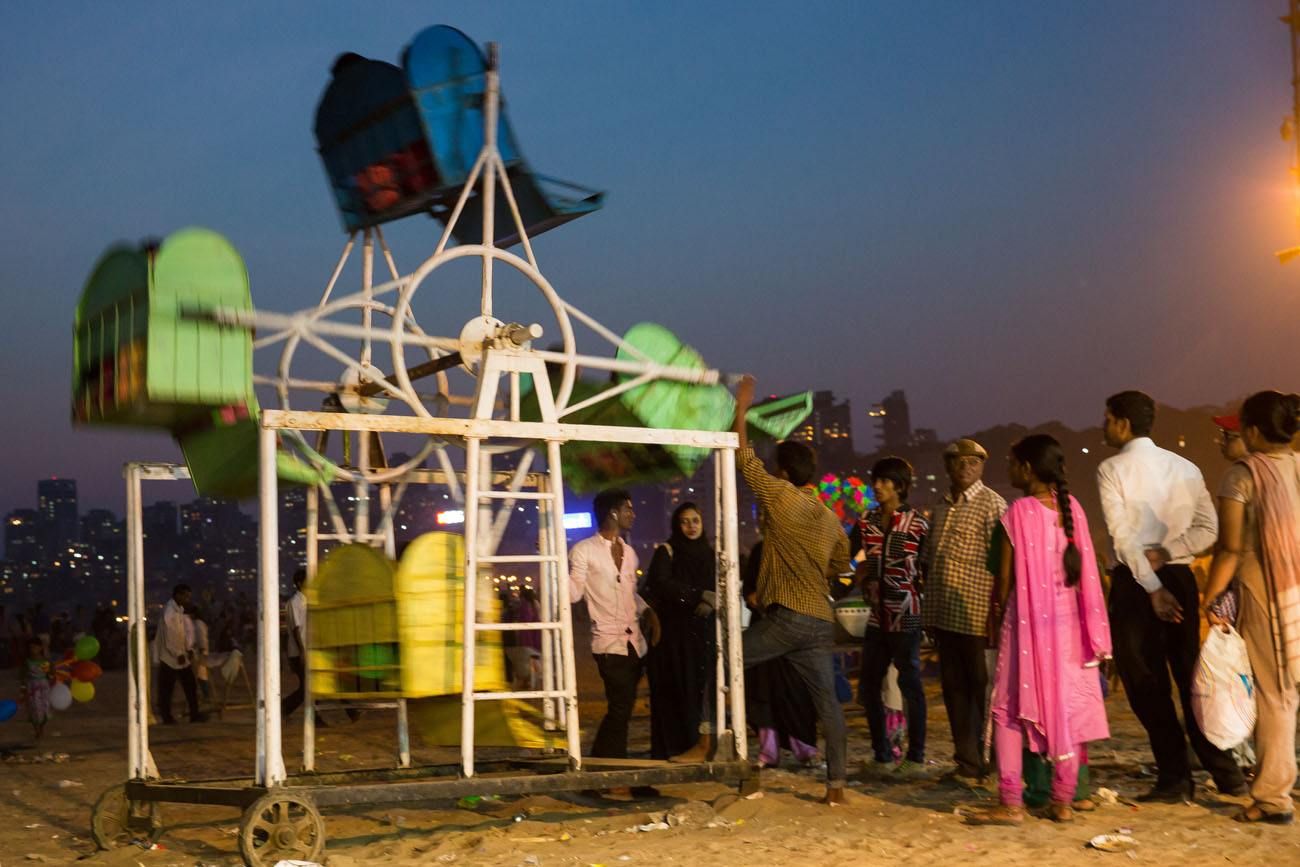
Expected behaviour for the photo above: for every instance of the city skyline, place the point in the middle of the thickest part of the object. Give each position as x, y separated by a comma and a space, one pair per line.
1021, 208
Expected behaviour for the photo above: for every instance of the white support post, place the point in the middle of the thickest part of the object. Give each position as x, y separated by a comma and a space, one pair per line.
720, 589
367, 290
361, 489
491, 103
546, 596
472, 467
270, 759
403, 736
138, 758
735, 656
309, 701
561, 551
387, 525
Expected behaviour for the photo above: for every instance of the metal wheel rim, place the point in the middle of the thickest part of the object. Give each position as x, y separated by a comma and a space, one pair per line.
401, 311
281, 827
409, 397
116, 822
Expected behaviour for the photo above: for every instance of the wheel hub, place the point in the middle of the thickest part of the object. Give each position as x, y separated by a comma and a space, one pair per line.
286, 837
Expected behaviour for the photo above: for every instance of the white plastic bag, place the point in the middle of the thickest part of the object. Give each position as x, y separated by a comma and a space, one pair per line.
1223, 689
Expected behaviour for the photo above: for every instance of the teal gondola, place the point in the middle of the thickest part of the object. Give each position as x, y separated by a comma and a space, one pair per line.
398, 141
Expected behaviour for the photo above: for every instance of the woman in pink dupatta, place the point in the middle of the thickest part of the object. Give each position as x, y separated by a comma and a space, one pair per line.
1259, 542
1053, 634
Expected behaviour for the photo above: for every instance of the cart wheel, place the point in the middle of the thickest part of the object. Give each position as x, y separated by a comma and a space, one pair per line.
281, 826
116, 821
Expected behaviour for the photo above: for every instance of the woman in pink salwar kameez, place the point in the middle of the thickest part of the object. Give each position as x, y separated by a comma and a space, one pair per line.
1050, 619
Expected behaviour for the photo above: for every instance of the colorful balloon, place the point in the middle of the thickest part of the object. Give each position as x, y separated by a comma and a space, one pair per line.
85, 670
82, 691
60, 696
8, 708
87, 647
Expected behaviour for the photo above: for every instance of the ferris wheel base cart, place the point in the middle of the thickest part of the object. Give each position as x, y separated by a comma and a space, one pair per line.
166, 336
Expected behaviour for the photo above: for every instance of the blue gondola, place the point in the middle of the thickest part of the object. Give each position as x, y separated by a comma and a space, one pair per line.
398, 141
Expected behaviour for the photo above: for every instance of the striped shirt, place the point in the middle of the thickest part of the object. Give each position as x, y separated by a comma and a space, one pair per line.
958, 584
893, 570
803, 543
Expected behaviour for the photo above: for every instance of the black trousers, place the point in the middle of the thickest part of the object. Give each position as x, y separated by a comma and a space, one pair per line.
1147, 651
965, 678
167, 677
290, 702
903, 649
621, 675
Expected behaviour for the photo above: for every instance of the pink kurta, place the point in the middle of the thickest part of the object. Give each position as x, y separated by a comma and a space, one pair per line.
1053, 636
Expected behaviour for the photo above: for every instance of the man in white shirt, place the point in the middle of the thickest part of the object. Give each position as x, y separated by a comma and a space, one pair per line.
602, 570
1160, 516
175, 654
295, 620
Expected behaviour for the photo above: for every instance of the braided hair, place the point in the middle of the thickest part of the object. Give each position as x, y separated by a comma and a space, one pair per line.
1046, 460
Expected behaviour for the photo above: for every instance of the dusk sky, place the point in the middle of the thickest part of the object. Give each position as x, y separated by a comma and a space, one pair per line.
1009, 210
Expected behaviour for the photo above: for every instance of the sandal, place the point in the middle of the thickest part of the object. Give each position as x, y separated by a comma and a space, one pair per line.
1253, 813
998, 816
1084, 805
1059, 812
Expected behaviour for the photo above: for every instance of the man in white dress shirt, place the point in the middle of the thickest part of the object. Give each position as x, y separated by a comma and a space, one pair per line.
602, 570
295, 621
174, 647
1160, 516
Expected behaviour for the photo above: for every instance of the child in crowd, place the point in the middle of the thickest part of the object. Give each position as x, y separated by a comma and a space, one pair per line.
35, 690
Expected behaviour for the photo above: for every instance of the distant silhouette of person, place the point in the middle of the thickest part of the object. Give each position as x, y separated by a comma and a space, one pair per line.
175, 658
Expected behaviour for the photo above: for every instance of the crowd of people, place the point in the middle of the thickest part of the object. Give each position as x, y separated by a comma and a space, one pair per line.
1027, 619
1025, 615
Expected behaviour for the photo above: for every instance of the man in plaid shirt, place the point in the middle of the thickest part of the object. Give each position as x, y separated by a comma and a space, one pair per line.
958, 588
804, 547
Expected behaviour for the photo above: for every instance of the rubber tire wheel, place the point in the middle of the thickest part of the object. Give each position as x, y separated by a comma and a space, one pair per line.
281, 826
116, 822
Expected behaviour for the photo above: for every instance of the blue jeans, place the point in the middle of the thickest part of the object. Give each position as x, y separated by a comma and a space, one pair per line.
806, 642
880, 648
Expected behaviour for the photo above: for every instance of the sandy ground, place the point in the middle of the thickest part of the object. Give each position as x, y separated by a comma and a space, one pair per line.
46, 798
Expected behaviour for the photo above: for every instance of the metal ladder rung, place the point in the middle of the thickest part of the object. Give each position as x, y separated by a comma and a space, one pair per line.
515, 495
520, 558
536, 693
515, 627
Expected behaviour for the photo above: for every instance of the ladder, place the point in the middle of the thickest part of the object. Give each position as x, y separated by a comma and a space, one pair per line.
559, 679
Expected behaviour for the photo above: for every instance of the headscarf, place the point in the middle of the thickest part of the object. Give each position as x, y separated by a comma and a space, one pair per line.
694, 562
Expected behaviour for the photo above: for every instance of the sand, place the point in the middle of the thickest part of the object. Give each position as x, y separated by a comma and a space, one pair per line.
46, 797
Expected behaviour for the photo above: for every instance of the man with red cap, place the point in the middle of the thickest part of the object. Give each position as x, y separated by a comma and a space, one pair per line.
1229, 439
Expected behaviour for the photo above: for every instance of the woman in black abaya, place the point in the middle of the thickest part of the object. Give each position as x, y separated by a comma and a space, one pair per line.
680, 587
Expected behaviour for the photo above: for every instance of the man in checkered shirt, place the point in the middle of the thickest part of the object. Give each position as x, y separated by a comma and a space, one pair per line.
958, 585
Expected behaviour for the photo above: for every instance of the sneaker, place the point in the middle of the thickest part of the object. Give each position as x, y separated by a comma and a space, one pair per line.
966, 781
877, 768
910, 770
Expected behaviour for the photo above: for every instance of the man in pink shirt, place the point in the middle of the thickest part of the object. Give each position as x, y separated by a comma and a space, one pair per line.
602, 570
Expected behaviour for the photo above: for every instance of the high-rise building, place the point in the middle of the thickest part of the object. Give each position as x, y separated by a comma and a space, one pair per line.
829, 429
894, 420
160, 521
23, 542
57, 503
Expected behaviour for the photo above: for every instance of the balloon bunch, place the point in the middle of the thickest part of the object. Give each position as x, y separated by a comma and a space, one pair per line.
849, 498
75, 674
